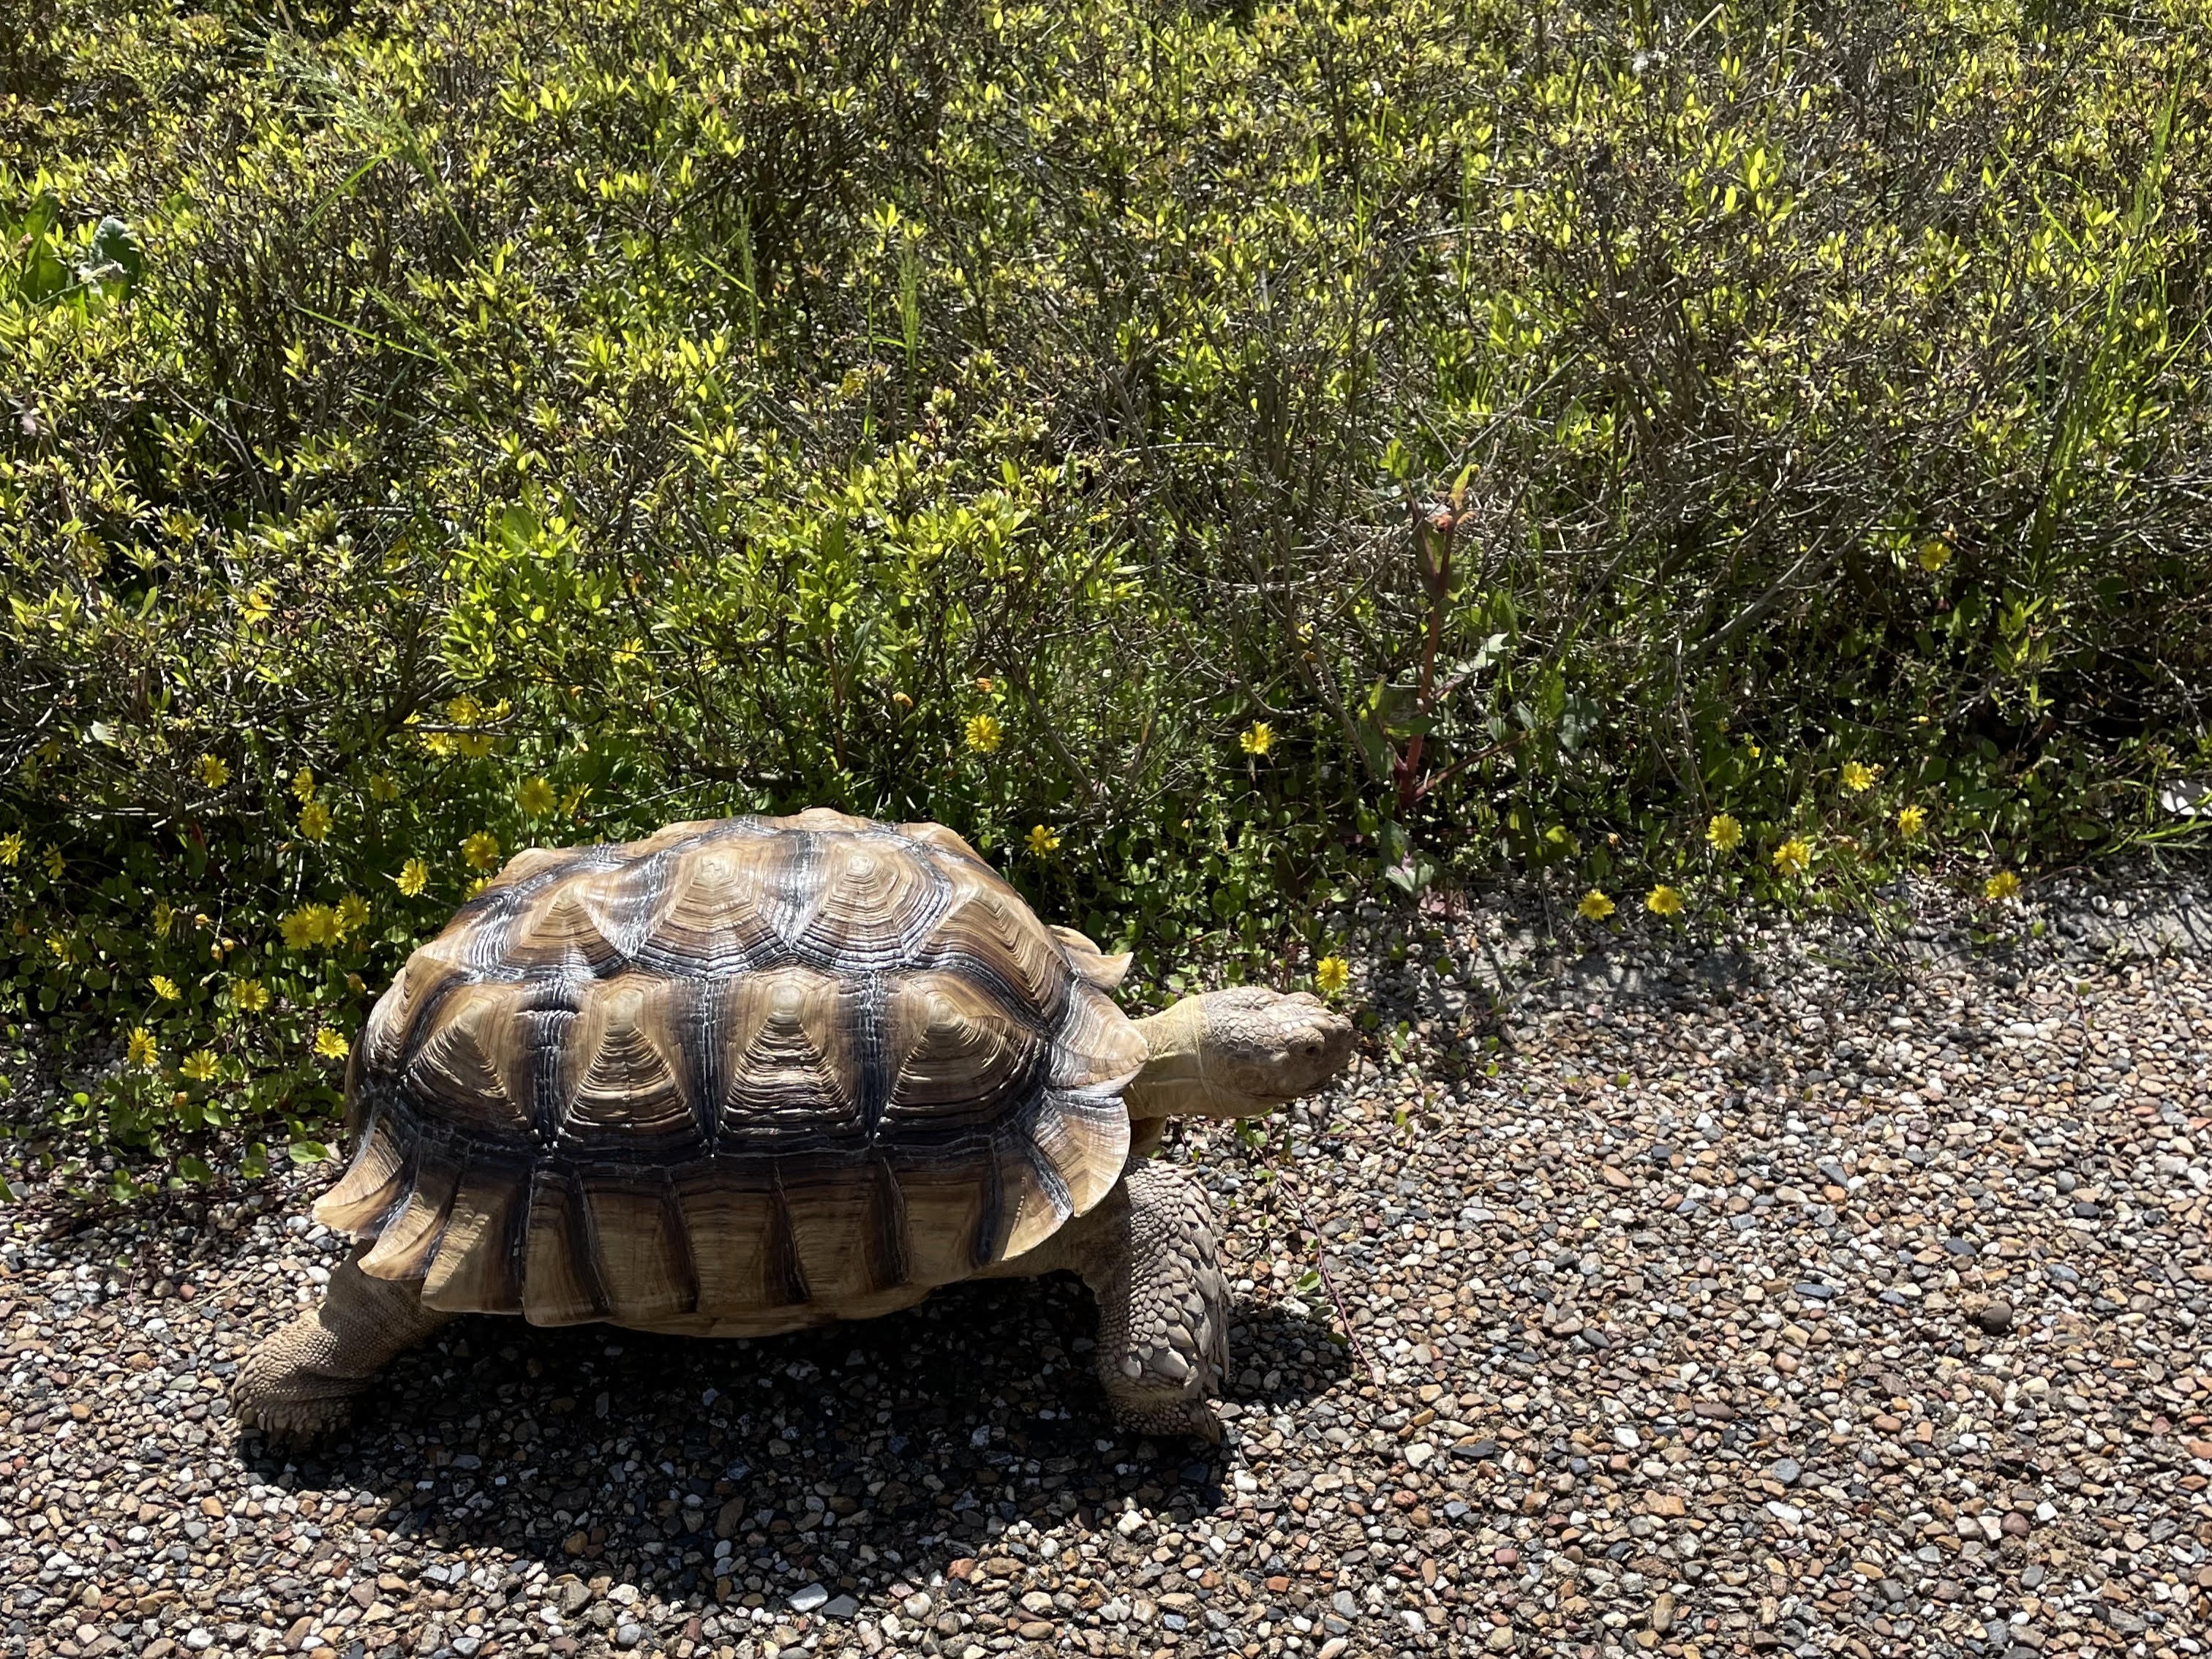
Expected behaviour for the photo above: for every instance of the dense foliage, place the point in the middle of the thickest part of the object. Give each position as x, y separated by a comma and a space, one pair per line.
1219, 460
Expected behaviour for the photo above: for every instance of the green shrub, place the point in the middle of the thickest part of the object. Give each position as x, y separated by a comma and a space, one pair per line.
1216, 459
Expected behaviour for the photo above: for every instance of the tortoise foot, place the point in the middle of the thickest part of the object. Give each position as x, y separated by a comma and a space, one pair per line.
290, 1422
300, 1384
1189, 1420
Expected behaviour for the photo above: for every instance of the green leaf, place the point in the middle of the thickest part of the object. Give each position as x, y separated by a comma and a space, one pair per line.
115, 247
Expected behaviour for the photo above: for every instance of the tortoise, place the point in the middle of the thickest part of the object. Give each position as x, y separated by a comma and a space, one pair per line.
747, 1076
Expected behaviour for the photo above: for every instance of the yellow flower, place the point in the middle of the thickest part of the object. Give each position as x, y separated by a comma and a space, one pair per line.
311, 924
1332, 975
1663, 901
303, 783
1793, 857
54, 864
1042, 839
11, 848
1858, 777
352, 913
627, 652
144, 1053
1594, 906
1934, 555
256, 608
213, 773
466, 710
166, 988
985, 734
481, 850
536, 797
331, 1046
314, 820
2002, 886
1259, 739
414, 876
1723, 833
382, 788
574, 800
249, 996
1910, 820
199, 1066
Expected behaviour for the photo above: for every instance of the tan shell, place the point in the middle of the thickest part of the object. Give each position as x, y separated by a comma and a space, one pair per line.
738, 1077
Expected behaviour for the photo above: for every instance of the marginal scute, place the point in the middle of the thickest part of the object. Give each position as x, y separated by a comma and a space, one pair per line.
530, 861
475, 1266
642, 1249
1096, 1047
372, 1184
1033, 1199
742, 1075
944, 841
559, 1274
1093, 966
388, 1024
752, 1264
1085, 1137
409, 1241
848, 1223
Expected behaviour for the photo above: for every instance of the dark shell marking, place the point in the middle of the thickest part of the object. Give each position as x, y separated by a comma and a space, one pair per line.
738, 1076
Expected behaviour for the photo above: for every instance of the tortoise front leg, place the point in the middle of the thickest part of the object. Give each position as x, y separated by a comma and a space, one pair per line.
300, 1383
1147, 1252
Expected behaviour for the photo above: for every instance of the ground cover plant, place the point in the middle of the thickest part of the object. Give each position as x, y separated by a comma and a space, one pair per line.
1219, 459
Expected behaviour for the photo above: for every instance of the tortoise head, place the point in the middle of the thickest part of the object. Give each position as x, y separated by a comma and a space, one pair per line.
1238, 1053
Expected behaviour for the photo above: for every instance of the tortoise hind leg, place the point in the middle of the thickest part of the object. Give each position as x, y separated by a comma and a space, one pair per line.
1147, 1252
301, 1382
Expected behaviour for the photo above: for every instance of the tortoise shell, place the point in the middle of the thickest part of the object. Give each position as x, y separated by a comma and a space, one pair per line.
738, 1077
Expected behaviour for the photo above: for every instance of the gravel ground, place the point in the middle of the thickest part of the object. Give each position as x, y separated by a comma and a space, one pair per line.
1794, 1289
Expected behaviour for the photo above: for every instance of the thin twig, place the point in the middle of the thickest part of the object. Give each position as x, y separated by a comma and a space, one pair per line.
1320, 1261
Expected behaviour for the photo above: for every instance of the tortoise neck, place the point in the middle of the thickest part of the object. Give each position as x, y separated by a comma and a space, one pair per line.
1174, 1081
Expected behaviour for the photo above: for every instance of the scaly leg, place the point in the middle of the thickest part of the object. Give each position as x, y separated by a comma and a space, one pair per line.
1147, 1252
301, 1382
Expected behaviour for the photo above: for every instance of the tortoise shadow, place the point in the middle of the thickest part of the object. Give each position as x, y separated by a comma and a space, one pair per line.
853, 1457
